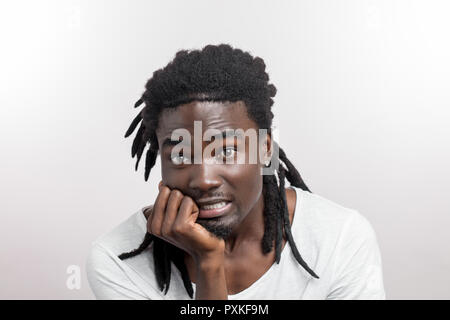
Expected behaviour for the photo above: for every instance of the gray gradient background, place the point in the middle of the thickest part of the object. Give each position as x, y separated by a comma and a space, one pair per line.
362, 110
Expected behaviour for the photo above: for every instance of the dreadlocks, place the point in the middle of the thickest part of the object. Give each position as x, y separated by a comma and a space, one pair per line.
215, 73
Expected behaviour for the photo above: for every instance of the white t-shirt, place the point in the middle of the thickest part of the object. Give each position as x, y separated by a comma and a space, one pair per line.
338, 243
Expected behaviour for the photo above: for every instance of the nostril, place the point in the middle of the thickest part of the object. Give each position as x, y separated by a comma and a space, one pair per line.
204, 178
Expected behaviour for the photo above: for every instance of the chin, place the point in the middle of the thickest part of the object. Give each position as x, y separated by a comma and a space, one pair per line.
219, 227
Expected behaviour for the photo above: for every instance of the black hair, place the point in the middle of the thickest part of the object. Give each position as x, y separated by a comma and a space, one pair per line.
215, 73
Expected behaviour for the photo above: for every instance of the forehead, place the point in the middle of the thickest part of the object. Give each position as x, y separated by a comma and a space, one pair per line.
212, 114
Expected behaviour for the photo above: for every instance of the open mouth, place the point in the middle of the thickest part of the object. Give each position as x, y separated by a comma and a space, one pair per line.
214, 210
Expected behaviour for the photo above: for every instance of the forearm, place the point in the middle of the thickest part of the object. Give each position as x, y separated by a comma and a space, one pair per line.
211, 282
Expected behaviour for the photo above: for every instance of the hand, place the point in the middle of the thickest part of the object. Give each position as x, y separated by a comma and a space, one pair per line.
173, 219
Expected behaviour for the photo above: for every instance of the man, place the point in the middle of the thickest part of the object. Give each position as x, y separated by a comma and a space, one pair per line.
228, 230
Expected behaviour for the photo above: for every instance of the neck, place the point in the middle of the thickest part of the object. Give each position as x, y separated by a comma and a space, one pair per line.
250, 229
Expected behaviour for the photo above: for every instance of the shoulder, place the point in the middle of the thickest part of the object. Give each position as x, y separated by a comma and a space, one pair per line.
126, 236
341, 246
328, 224
105, 250
324, 218
327, 229
112, 278
324, 215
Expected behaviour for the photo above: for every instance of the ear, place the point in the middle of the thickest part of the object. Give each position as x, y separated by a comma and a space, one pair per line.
267, 147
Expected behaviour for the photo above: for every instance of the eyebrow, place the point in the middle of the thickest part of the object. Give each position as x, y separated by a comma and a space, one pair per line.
168, 142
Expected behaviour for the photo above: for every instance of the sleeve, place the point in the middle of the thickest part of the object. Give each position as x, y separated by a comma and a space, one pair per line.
357, 269
108, 279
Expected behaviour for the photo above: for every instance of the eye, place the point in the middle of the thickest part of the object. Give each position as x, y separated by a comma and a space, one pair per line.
179, 159
228, 152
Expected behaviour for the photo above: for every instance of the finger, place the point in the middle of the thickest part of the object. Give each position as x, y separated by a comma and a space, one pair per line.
148, 212
185, 223
151, 212
150, 215
157, 216
171, 212
187, 214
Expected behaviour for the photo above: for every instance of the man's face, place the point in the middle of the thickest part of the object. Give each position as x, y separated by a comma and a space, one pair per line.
239, 184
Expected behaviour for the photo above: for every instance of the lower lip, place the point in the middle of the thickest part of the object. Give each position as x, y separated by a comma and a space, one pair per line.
212, 213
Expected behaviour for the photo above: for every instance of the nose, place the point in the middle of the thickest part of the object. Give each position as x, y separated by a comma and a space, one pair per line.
204, 177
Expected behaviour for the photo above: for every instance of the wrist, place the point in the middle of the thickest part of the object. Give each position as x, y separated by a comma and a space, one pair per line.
210, 262
211, 280
210, 271
211, 257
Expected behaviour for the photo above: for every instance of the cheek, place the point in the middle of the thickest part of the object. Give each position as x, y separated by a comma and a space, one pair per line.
174, 178
248, 184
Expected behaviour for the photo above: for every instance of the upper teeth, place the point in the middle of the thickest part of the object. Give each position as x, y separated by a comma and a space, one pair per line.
214, 206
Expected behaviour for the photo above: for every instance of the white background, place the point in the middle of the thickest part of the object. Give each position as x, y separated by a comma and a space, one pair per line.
362, 110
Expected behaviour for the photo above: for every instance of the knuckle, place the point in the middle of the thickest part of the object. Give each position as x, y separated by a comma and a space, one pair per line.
153, 230
164, 191
188, 229
187, 200
165, 232
178, 229
177, 194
